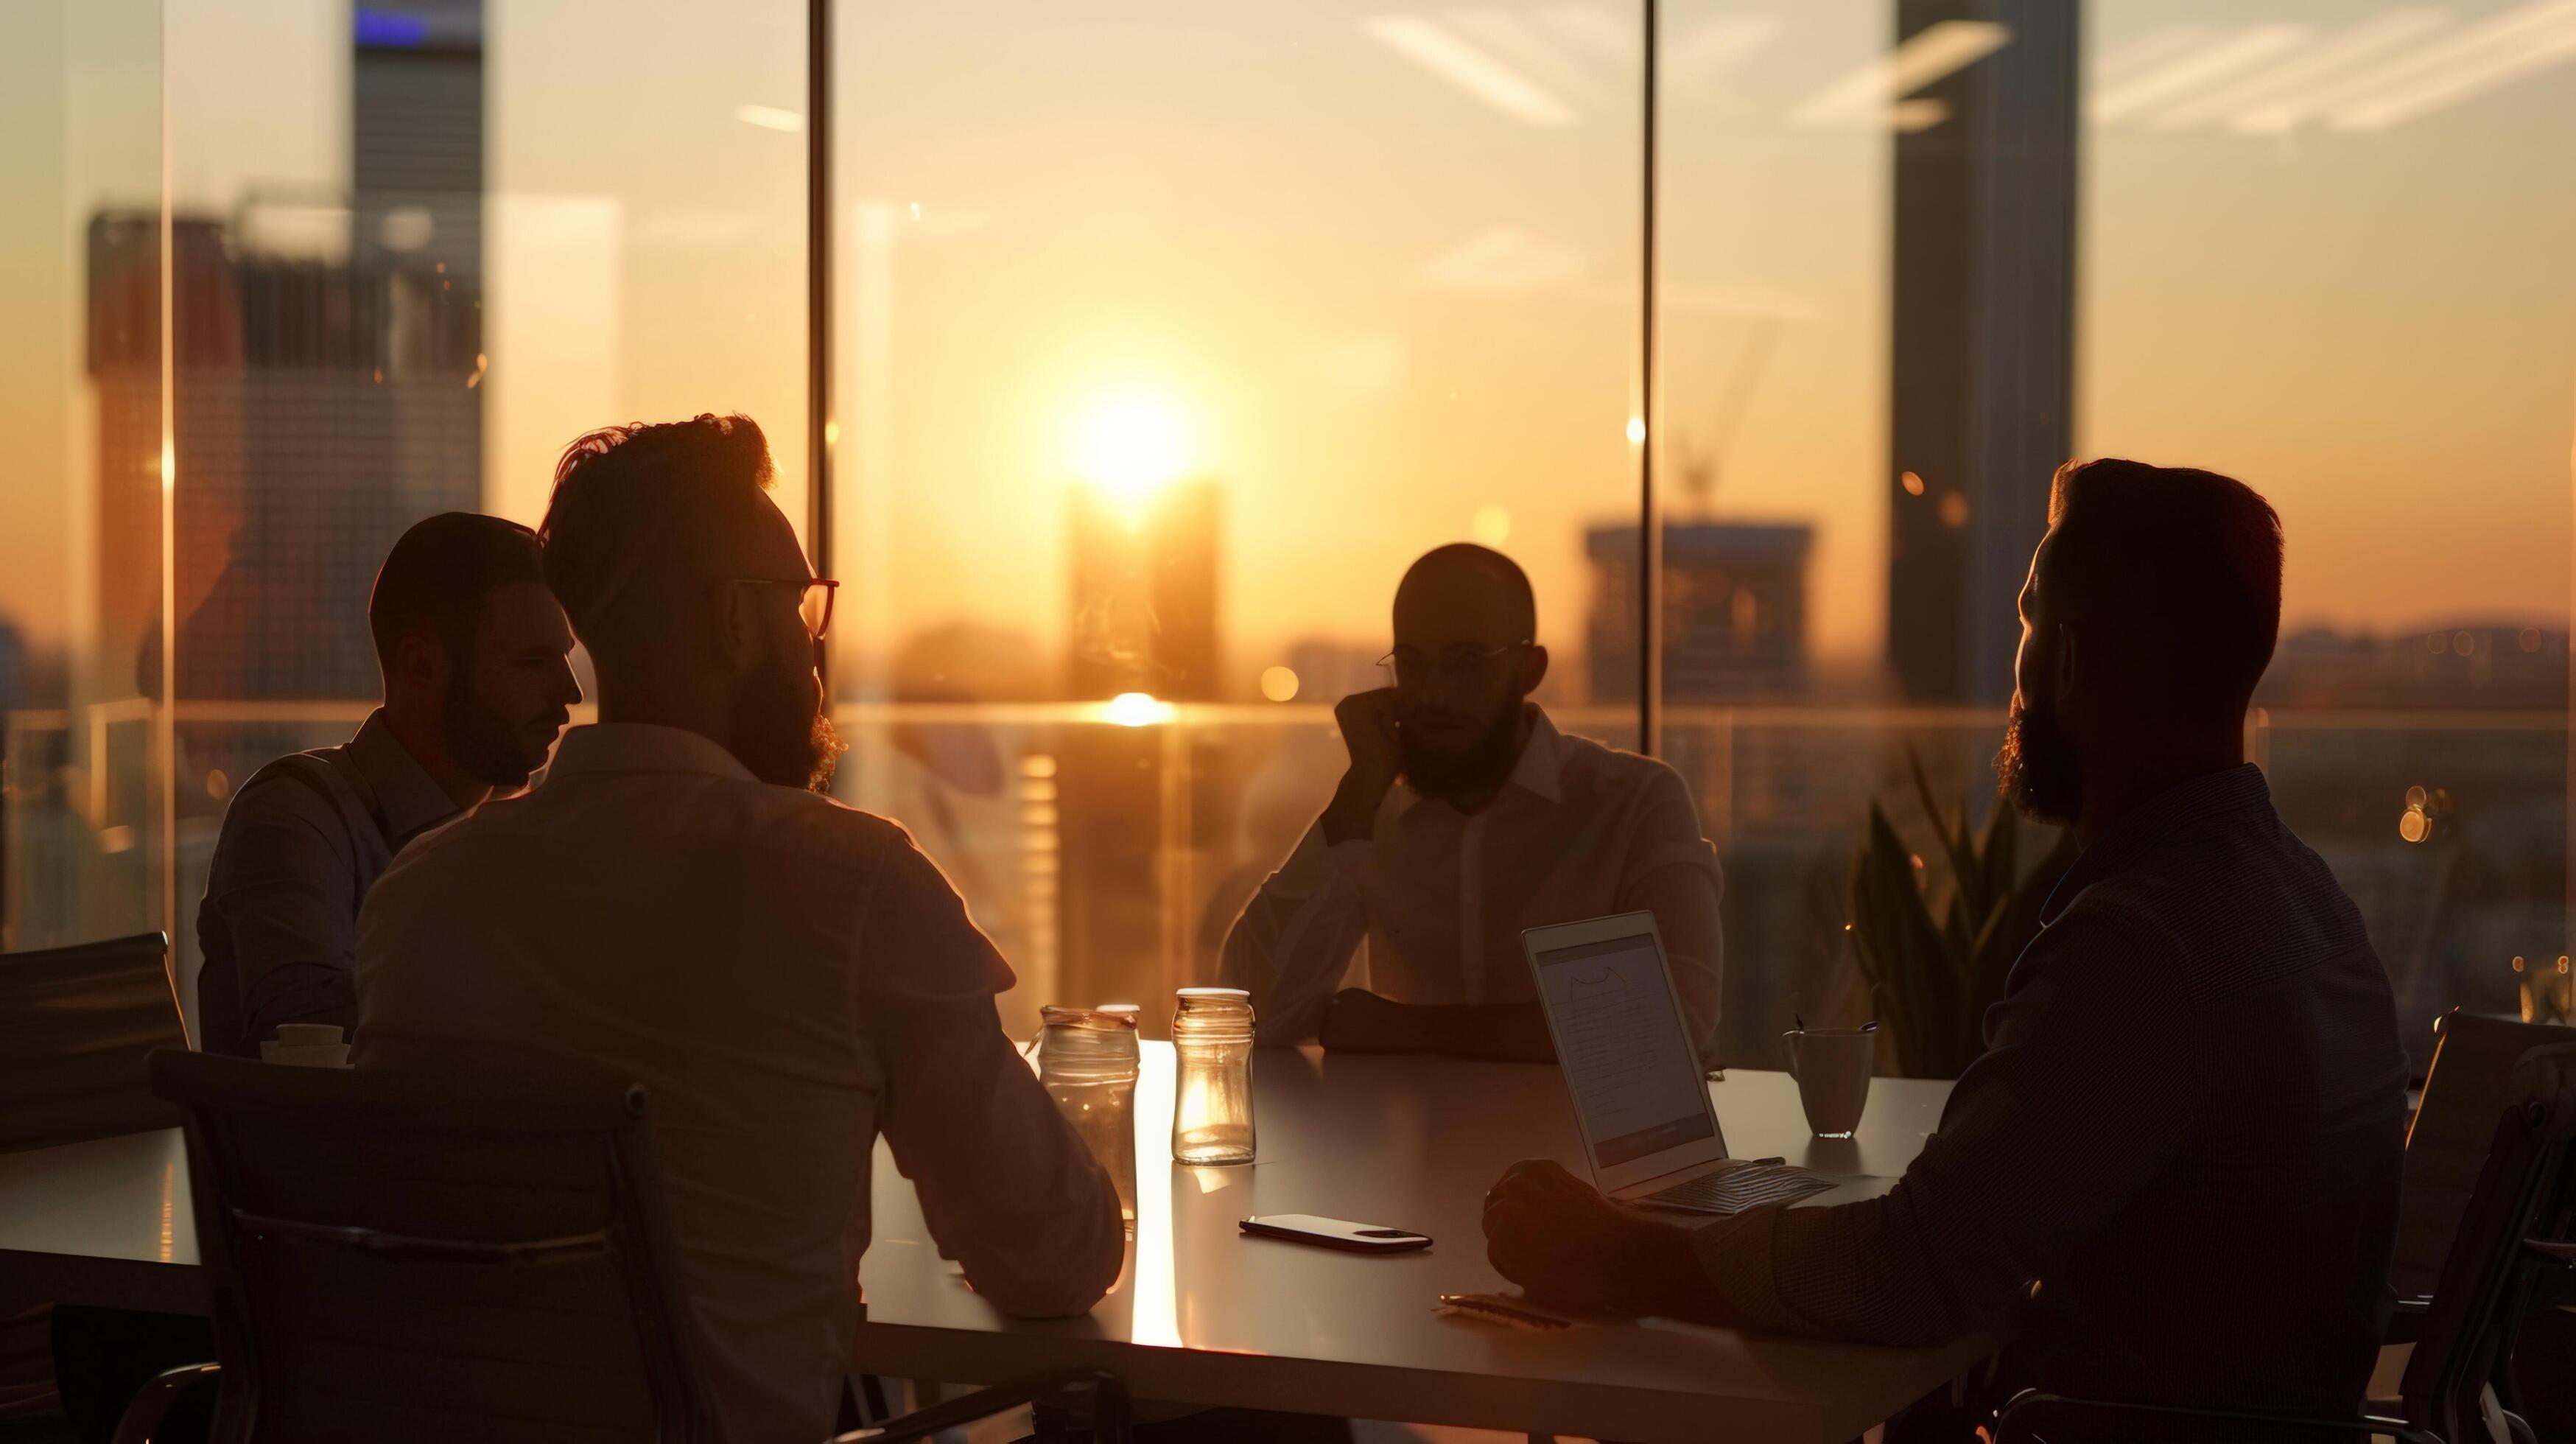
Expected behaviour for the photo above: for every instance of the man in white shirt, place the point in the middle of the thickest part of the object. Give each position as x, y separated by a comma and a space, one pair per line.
1500, 823
787, 977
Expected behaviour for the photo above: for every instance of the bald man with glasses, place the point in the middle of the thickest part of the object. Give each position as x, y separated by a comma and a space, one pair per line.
1463, 818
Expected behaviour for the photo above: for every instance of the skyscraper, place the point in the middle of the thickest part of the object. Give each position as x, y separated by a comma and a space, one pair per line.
1145, 593
321, 404
1733, 605
1982, 343
1145, 573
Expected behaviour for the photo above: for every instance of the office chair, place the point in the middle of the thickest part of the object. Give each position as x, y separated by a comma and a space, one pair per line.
395, 1256
2517, 1231
76, 1025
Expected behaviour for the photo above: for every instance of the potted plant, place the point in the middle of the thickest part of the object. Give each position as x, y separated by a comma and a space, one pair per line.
1932, 982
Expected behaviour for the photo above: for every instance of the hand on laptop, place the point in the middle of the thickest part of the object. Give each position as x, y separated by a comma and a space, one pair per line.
1565, 1244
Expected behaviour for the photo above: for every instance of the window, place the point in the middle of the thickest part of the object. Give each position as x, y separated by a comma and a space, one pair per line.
1164, 337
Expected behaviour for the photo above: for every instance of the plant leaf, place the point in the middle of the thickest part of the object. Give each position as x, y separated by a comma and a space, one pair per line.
1954, 839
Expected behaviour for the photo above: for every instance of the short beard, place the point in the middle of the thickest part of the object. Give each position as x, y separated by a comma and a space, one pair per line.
779, 731
2037, 768
483, 742
1481, 766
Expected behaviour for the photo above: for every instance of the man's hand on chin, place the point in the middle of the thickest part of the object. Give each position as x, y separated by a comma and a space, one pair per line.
1565, 1244
1359, 1021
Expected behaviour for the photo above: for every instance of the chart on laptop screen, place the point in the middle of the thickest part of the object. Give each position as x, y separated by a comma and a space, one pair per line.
1635, 1079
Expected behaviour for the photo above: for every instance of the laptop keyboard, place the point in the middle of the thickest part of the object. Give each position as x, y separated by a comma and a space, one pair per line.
1739, 1187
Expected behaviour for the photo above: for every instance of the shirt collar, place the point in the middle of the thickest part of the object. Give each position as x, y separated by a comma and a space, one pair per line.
1539, 770
405, 792
644, 747
2185, 805
1542, 762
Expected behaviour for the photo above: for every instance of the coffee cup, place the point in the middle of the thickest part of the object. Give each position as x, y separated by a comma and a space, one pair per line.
1832, 1066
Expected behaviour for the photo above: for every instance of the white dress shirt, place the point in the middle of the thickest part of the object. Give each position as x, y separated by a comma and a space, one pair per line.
1579, 831
787, 977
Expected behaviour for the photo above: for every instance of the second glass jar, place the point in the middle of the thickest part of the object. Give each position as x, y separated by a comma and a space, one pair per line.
1212, 1086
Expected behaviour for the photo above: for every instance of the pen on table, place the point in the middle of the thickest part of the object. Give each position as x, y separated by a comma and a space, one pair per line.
1502, 1311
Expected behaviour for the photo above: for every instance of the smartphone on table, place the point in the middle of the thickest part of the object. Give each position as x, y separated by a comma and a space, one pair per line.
1335, 1233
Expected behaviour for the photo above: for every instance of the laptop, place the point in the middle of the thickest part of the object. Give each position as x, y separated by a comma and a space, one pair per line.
1640, 1095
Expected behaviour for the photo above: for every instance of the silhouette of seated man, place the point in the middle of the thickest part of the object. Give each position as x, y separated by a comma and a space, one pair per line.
1463, 818
478, 684
678, 904
2172, 1176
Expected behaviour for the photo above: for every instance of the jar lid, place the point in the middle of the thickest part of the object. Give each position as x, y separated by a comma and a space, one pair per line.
1105, 1016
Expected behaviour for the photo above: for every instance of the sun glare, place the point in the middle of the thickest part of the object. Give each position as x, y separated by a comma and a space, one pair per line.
1134, 447
1139, 709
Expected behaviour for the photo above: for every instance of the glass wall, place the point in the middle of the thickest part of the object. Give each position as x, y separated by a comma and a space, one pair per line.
417, 247
1165, 336
2317, 256
84, 838
1172, 334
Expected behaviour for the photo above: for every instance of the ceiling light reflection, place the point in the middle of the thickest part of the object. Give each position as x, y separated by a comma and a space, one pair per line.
1427, 44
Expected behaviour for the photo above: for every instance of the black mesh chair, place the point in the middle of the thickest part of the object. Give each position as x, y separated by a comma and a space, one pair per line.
2471, 1079
2516, 1233
401, 1257
76, 1025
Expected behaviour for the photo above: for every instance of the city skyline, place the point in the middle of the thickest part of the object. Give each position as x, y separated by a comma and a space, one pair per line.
1357, 330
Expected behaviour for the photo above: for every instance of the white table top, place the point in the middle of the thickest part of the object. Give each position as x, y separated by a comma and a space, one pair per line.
1205, 1315
104, 1222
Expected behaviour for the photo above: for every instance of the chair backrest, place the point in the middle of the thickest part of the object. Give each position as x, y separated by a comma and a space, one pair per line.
395, 1256
2469, 1083
2526, 1191
76, 1026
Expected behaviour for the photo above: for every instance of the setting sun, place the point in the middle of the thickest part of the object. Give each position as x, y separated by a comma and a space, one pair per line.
1133, 446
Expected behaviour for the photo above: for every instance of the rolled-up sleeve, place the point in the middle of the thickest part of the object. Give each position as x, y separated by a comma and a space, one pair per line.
1673, 872
1296, 937
1006, 1186
285, 889
2081, 1099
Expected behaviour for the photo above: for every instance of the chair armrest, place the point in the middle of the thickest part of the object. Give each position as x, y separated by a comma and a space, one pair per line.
151, 1404
2406, 1320
2070, 1421
1106, 1395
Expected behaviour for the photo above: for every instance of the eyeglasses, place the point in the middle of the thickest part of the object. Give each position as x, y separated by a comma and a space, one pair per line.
1410, 666
813, 601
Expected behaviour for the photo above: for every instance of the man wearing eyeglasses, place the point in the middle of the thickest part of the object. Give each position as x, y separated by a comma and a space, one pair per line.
788, 978
1463, 818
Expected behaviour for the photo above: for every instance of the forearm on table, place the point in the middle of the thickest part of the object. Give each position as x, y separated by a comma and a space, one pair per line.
1850, 1271
1017, 1200
1291, 947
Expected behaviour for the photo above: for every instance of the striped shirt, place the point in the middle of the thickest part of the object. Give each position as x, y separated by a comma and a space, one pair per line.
2172, 1176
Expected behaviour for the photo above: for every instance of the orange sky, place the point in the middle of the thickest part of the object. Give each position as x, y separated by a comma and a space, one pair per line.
1385, 303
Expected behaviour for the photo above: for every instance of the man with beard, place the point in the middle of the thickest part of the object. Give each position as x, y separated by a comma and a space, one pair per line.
477, 686
1463, 818
680, 905
2172, 1177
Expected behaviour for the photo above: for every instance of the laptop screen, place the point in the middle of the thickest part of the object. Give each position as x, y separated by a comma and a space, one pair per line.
1636, 1080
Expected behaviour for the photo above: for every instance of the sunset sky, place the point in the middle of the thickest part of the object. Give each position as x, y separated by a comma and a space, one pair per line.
1378, 270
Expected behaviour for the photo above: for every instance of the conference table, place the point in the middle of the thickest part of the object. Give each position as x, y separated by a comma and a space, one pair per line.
1203, 1315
